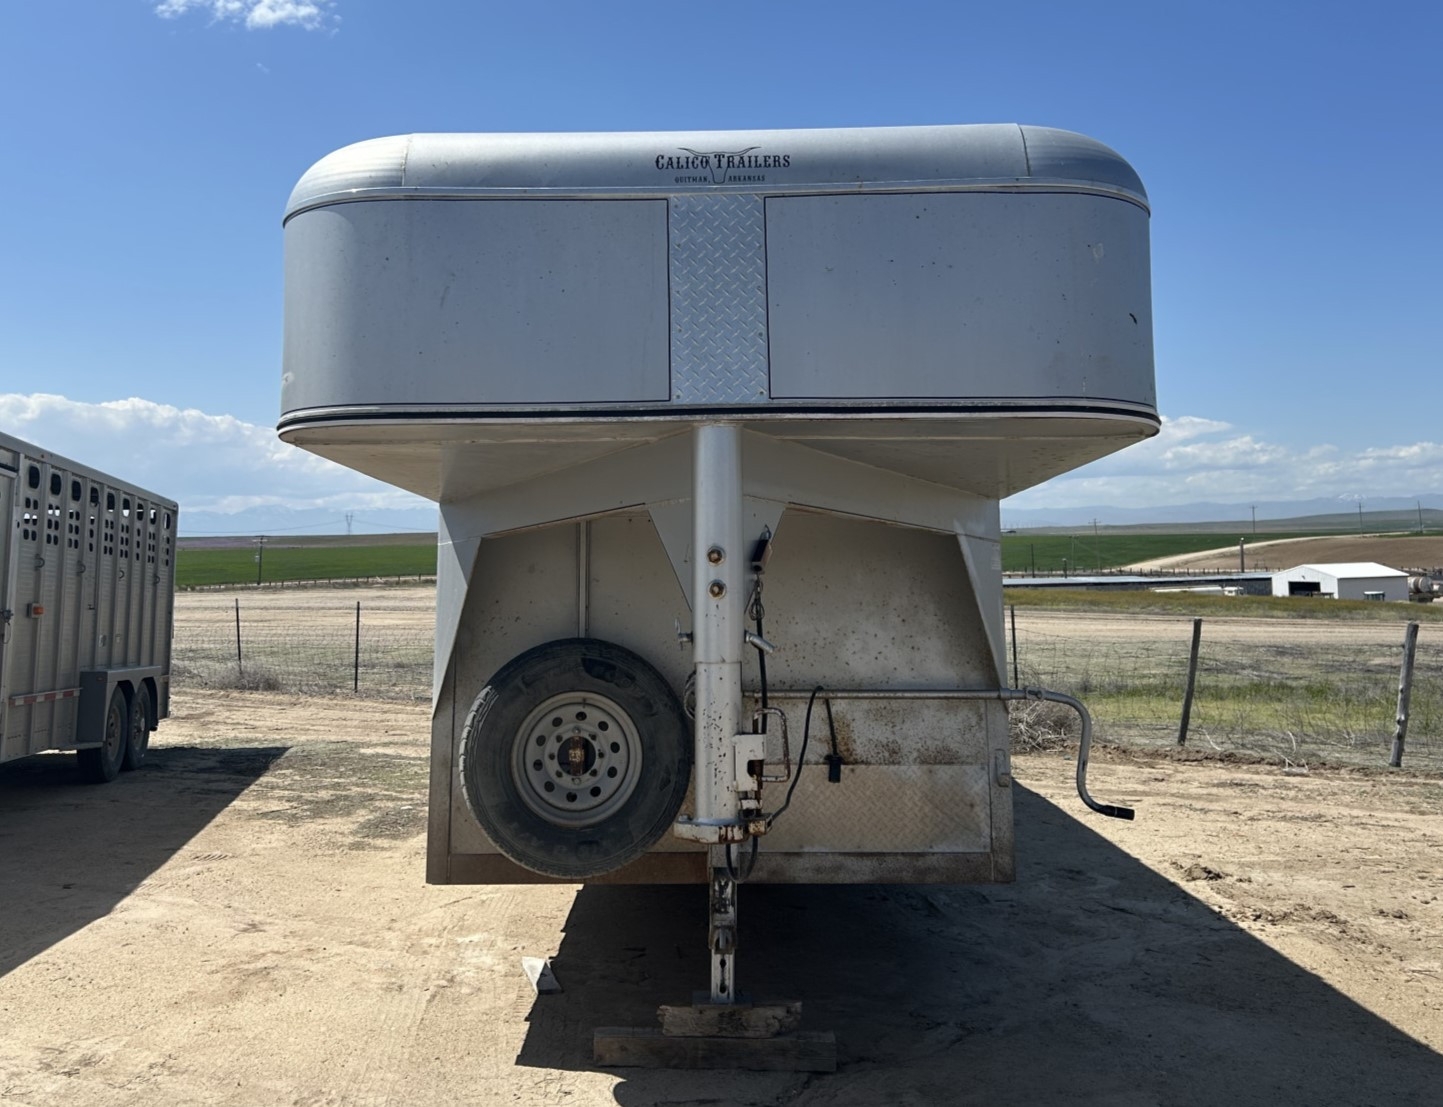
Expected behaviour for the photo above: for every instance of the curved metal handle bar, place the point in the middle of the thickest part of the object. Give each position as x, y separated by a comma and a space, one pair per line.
1084, 747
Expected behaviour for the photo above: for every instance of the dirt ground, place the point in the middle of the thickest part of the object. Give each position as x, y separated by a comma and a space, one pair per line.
1100, 628
244, 921
1398, 551
400, 606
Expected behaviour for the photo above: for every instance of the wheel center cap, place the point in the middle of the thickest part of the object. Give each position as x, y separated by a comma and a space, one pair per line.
579, 755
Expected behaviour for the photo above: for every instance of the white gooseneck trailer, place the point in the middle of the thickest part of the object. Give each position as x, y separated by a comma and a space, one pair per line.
715, 420
87, 578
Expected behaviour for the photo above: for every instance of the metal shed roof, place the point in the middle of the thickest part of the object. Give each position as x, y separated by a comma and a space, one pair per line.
1347, 569
989, 155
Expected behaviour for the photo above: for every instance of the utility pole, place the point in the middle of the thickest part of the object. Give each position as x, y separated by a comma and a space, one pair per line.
260, 556
1420, 515
349, 516
1242, 561
1360, 515
1096, 549
1255, 518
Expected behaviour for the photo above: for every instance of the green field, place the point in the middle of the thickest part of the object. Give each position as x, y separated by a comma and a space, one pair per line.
237, 565
1082, 553
217, 562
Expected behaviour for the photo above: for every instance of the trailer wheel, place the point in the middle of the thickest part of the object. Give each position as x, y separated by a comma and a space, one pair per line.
102, 765
575, 758
139, 737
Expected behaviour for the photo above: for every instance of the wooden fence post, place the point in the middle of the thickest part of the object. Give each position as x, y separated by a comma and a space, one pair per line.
356, 675
240, 668
1191, 682
1405, 691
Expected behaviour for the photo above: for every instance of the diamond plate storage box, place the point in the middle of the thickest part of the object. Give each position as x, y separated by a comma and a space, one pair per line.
715, 420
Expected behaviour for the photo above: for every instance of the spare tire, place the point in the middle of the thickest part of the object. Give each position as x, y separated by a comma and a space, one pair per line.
575, 758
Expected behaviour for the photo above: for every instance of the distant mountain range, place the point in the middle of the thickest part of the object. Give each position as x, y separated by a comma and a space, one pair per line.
280, 521
1395, 513
1323, 514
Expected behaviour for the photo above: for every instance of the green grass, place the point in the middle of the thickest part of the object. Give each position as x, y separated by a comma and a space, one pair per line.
195, 567
1081, 553
1201, 604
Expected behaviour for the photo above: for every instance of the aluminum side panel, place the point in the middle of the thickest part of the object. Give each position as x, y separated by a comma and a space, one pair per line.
9, 535
102, 581
965, 294
495, 303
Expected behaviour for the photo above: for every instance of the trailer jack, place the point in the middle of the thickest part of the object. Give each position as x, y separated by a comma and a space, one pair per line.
720, 1028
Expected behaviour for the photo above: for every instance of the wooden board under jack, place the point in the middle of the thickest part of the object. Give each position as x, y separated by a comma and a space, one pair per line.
761, 1036
646, 1047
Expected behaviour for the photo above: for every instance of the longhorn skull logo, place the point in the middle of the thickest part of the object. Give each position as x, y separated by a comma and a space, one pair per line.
719, 161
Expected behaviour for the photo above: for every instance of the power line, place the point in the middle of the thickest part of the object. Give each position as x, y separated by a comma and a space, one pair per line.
390, 526
250, 534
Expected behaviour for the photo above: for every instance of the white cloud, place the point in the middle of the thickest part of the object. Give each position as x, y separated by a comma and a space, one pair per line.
220, 464
1194, 459
256, 14
212, 463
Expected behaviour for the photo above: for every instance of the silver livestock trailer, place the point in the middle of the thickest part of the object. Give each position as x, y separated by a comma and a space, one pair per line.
718, 424
87, 580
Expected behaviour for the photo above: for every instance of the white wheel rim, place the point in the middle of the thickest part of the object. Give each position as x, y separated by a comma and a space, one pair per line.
115, 720
576, 759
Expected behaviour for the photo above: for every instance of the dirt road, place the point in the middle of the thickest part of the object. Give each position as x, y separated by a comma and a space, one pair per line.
244, 922
1400, 551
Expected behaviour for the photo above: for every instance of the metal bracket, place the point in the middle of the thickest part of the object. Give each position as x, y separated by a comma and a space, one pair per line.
1002, 769
760, 714
748, 748
710, 833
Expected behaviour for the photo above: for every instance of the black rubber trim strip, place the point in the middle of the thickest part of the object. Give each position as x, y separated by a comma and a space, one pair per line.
681, 414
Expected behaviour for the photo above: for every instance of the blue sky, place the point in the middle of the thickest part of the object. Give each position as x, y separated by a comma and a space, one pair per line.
1292, 153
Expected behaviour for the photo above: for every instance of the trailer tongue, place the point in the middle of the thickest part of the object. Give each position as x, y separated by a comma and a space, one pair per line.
757, 391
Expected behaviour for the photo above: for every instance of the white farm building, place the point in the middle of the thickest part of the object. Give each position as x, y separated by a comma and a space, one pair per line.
1351, 580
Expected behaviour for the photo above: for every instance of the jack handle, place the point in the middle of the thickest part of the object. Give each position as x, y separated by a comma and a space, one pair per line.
758, 717
1084, 747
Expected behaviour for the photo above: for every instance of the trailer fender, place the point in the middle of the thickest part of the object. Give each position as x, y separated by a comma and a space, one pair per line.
97, 686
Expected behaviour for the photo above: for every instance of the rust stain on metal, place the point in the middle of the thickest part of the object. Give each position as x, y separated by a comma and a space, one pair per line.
936, 753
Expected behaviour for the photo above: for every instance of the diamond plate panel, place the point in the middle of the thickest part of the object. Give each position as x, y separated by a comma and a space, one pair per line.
887, 809
718, 300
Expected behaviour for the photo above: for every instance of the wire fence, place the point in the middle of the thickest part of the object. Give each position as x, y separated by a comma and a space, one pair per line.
311, 652
1302, 691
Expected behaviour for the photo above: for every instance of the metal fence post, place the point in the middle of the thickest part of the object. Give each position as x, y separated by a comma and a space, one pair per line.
1191, 682
240, 668
356, 675
1405, 691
